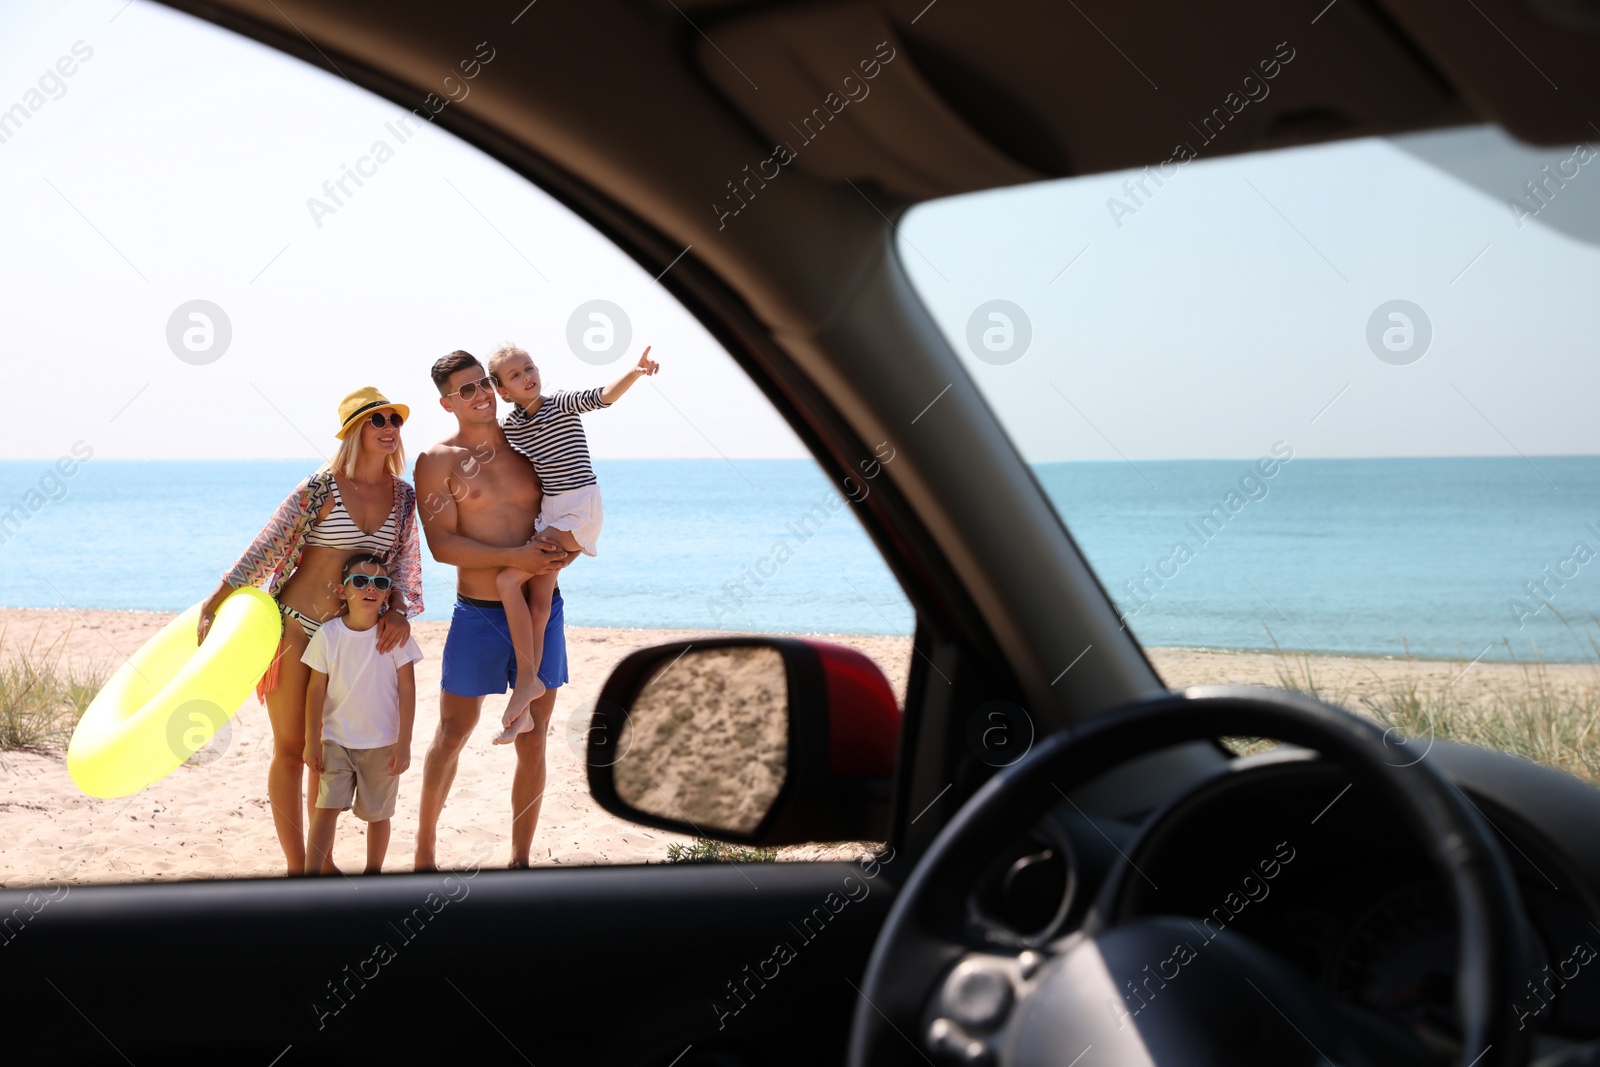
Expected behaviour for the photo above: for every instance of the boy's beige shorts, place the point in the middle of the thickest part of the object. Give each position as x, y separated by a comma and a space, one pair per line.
360, 775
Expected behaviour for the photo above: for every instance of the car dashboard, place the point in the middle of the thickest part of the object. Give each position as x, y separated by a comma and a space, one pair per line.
1285, 850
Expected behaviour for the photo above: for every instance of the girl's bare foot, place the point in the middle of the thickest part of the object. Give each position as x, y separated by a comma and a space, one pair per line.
521, 697
520, 725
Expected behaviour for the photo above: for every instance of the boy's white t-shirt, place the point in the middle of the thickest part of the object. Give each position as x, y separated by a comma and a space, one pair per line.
363, 703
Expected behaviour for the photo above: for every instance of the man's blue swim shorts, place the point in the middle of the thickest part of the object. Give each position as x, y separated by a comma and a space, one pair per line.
478, 657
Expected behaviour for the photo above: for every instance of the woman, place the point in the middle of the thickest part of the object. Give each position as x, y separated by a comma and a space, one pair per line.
298, 556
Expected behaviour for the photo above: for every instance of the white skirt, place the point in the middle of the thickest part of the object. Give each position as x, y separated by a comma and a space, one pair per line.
578, 512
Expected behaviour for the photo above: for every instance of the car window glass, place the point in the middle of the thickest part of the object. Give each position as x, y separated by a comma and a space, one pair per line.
1320, 417
211, 245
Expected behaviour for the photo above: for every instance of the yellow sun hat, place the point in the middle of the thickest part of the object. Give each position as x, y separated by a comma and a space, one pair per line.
361, 402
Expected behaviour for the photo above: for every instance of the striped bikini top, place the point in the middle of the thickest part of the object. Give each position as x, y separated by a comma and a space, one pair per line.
339, 530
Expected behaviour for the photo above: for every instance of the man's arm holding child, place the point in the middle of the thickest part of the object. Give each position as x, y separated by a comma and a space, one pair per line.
408, 712
440, 524
316, 696
645, 367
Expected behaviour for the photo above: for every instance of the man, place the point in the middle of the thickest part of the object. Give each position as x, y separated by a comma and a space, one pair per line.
478, 500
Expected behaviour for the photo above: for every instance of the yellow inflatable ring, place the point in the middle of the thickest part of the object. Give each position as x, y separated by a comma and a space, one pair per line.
173, 695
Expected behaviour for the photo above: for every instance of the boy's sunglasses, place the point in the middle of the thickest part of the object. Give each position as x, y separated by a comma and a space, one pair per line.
360, 581
470, 390
393, 419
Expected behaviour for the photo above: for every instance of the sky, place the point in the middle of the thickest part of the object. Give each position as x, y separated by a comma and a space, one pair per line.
177, 166
1228, 309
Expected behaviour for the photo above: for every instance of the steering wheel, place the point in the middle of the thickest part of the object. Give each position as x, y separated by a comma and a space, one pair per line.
1164, 991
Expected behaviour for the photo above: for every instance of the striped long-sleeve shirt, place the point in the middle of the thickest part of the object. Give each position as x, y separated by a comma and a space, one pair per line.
553, 440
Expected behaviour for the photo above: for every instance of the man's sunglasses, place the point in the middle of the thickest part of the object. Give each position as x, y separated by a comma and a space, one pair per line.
393, 419
359, 582
470, 390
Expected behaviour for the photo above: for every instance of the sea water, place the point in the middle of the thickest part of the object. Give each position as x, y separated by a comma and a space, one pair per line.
1445, 557
686, 544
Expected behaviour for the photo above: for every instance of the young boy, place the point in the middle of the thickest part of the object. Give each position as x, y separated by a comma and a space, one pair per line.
547, 430
359, 707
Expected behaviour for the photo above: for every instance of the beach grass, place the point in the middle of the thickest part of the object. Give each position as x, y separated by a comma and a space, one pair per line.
41, 698
1539, 721
705, 850
1535, 718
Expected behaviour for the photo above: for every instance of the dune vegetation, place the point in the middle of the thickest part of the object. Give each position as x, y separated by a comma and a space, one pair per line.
42, 697
1528, 711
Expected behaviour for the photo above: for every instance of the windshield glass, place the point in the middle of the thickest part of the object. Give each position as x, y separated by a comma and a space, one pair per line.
1309, 413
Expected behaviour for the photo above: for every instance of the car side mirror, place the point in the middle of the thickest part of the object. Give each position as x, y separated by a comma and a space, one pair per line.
759, 740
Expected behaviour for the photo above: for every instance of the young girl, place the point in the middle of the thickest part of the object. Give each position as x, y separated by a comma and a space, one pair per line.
547, 430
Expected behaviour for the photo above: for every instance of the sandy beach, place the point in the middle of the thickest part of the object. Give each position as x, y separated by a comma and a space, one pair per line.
211, 820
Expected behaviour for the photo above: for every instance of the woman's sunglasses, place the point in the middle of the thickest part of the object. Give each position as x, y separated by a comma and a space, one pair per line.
393, 419
359, 582
470, 390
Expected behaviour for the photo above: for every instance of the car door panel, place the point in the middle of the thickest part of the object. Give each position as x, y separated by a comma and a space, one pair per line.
626, 965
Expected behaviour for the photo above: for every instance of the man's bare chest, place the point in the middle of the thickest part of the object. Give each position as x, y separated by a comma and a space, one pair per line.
497, 479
